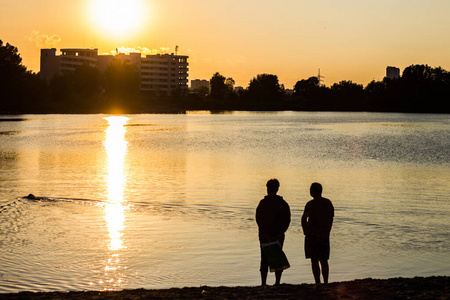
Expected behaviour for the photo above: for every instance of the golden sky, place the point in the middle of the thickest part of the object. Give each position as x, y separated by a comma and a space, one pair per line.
347, 39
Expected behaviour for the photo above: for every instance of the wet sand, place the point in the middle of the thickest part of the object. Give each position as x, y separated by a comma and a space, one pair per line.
393, 288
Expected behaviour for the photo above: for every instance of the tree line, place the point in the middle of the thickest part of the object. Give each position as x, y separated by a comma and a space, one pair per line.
421, 88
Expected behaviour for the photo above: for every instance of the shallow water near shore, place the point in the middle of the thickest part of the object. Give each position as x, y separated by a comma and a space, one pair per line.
158, 201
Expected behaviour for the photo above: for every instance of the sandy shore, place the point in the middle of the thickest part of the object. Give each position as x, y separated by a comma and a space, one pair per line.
394, 288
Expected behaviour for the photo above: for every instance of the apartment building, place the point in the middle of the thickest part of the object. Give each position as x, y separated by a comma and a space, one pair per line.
160, 74
392, 72
50, 64
163, 74
198, 83
68, 61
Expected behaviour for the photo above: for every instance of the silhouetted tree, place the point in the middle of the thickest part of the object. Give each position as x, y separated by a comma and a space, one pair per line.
222, 95
424, 89
121, 79
12, 74
77, 91
88, 79
229, 82
418, 74
34, 94
121, 83
348, 96
231, 96
305, 87
375, 91
383, 95
20, 90
376, 88
62, 91
309, 95
220, 86
264, 89
202, 91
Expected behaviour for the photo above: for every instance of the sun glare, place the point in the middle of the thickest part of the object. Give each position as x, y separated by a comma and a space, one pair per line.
116, 148
117, 17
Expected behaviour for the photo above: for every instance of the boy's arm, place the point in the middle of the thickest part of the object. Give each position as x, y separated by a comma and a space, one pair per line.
257, 215
286, 218
305, 219
260, 219
331, 218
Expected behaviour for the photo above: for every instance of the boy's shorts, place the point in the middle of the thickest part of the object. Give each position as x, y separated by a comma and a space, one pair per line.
264, 266
316, 247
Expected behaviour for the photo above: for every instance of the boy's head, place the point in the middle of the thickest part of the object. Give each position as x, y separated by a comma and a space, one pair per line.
272, 186
316, 190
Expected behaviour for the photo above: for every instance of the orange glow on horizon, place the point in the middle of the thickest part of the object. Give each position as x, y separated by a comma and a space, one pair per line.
347, 40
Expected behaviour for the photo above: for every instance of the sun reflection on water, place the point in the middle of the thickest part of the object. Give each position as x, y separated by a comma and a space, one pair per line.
116, 148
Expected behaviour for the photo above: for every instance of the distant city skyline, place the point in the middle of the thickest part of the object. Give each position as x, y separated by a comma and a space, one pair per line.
159, 75
347, 40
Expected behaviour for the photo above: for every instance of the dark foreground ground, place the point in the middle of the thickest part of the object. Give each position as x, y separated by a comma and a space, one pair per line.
394, 288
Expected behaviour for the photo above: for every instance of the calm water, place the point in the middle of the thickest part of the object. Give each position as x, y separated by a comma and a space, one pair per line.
156, 201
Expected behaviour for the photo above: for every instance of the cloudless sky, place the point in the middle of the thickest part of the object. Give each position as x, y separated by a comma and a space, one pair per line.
347, 39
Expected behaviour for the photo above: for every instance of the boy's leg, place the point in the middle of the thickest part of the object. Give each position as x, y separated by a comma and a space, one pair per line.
278, 277
264, 266
325, 269
315, 269
263, 278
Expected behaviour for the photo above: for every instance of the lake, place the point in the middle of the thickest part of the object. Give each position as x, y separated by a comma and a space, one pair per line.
168, 200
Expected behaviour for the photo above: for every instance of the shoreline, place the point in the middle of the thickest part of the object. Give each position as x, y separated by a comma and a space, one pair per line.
182, 111
434, 287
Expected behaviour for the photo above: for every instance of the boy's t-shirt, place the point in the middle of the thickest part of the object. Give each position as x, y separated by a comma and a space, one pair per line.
320, 213
273, 217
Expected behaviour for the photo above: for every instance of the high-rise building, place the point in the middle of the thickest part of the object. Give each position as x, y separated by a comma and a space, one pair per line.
160, 74
50, 64
198, 83
70, 59
392, 72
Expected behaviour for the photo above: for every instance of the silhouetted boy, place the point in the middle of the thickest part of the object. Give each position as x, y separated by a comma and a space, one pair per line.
273, 217
317, 220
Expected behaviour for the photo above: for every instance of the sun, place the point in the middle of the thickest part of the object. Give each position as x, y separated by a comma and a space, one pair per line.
117, 17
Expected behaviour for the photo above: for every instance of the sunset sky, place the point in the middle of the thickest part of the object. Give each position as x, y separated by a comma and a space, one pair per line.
346, 39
